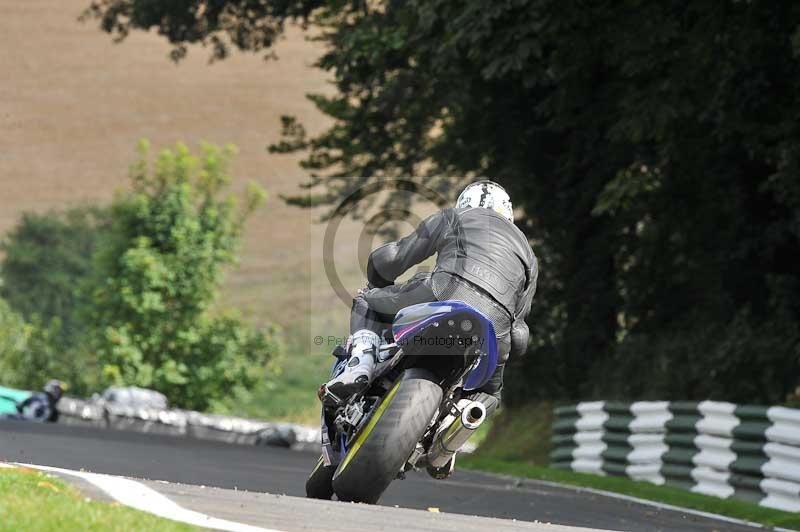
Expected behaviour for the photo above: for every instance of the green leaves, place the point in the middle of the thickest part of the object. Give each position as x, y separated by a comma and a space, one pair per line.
47, 257
249, 25
156, 278
13, 335
294, 136
31, 353
627, 188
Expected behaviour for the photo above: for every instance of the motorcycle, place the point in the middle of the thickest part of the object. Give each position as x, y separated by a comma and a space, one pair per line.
416, 412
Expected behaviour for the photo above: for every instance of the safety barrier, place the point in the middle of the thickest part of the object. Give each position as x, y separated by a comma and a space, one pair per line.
715, 448
186, 423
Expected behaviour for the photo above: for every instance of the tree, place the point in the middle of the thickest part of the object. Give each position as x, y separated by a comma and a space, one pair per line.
47, 259
13, 340
156, 278
243, 24
654, 147
31, 354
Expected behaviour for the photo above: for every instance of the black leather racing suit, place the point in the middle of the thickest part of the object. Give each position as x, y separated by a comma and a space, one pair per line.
481, 259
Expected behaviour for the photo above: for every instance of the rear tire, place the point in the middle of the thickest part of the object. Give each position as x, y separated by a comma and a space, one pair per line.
319, 485
388, 439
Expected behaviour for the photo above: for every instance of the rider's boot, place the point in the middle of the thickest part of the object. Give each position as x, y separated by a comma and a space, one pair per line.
358, 371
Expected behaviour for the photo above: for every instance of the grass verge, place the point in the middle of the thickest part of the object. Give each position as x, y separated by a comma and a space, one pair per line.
31, 500
518, 444
643, 490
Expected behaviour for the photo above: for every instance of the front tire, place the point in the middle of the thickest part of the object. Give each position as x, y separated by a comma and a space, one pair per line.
388, 439
319, 483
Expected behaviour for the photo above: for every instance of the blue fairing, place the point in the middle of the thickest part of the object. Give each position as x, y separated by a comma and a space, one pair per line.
414, 319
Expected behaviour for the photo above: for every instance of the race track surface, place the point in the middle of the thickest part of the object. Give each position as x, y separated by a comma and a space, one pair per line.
265, 470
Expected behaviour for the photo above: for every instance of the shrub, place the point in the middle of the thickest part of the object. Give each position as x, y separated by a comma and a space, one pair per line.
47, 259
30, 356
156, 279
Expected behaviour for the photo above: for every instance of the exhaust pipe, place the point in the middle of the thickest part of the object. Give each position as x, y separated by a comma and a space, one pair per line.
450, 439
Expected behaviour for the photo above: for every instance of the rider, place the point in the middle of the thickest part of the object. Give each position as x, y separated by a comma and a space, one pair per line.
482, 259
41, 406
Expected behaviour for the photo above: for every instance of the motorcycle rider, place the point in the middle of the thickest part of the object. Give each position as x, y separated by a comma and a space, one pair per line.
482, 259
41, 406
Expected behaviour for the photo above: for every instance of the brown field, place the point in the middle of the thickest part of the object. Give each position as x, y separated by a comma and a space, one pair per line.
73, 105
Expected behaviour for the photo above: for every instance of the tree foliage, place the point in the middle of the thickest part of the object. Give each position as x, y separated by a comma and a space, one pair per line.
31, 353
47, 258
13, 341
654, 147
242, 24
155, 280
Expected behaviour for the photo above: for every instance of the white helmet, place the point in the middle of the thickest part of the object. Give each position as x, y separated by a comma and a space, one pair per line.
489, 195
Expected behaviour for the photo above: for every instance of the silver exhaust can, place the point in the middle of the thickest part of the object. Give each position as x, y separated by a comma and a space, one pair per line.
455, 434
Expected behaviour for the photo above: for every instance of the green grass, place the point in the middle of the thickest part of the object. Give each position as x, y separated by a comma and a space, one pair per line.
31, 500
643, 490
480, 435
518, 444
522, 434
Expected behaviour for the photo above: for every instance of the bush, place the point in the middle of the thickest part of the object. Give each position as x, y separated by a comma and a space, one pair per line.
13, 340
156, 278
47, 258
29, 355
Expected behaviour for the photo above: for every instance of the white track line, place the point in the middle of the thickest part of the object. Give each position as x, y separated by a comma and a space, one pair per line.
137, 495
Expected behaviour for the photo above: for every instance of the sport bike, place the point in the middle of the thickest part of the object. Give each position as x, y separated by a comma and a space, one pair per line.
416, 413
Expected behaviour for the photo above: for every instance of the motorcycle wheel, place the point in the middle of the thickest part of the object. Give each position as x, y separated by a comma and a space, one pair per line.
388, 439
318, 485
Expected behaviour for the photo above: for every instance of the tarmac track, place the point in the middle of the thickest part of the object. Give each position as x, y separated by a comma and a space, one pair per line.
247, 473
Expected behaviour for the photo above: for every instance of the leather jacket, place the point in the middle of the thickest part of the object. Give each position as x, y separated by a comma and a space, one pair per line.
477, 245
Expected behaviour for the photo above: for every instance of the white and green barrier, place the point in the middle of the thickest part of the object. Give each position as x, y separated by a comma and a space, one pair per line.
714, 448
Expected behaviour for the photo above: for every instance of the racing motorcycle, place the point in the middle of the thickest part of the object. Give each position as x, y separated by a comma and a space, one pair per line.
416, 413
